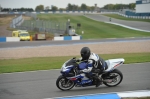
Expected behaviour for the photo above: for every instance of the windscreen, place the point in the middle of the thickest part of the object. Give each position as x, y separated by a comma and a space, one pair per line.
71, 62
24, 34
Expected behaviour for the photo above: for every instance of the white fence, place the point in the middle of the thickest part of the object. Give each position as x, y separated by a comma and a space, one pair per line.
66, 38
135, 17
49, 12
9, 39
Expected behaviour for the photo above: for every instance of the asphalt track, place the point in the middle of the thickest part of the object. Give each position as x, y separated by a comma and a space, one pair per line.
41, 84
134, 24
60, 43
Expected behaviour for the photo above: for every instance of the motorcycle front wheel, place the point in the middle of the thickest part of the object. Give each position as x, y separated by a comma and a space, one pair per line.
115, 81
64, 84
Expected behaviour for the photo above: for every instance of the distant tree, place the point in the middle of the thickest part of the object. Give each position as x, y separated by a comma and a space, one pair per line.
110, 6
23, 9
69, 7
72, 7
75, 7
30, 10
114, 6
83, 7
6, 9
92, 8
54, 8
39, 8
132, 5
79, 8
15, 10
62, 9
88, 8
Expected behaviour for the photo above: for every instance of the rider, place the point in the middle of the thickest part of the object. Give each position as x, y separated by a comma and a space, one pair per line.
94, 63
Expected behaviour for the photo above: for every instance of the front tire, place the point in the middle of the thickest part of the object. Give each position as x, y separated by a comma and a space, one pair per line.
115, 81
64, 84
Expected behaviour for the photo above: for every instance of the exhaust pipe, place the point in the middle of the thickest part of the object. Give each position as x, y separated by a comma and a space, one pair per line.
107, 80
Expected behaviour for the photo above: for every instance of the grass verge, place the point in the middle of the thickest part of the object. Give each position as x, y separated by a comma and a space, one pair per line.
124, 18
5, 19
93, 29
46, 63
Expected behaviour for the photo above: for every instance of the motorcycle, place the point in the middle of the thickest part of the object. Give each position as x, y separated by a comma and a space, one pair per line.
70, 77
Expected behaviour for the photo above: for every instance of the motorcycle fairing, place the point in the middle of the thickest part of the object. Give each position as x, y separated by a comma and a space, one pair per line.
113, 63
82, 65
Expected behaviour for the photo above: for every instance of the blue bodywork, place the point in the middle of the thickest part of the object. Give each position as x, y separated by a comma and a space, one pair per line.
76, 78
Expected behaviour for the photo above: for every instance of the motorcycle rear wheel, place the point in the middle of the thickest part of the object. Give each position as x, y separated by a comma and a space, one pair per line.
115, 81
64, 84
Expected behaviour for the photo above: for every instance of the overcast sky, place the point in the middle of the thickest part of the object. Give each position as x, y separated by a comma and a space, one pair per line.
58, 3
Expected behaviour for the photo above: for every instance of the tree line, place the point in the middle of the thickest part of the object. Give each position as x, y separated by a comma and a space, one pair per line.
71, 7
119, 6
84, 7
17, 9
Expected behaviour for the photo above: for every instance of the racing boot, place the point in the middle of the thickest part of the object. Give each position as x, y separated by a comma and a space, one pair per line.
98, 82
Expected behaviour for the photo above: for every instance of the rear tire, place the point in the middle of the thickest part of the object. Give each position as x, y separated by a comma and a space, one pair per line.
61, 83
117, 80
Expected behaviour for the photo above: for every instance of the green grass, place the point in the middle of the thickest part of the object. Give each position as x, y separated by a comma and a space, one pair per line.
94, 29
124, 18
46, 63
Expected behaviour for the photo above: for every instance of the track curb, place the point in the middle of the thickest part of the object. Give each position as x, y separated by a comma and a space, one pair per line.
112, 95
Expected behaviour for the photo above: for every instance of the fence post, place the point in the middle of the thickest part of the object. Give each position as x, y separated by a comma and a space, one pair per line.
67, 26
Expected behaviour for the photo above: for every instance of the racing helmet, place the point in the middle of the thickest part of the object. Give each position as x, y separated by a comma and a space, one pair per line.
85, 53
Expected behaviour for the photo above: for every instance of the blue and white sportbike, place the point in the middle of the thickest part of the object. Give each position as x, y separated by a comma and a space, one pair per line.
70, 76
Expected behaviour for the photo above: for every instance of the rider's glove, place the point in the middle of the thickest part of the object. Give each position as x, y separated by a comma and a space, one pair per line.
77, 60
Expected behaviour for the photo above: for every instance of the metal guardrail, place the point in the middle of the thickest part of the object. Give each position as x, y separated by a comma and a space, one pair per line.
38, 25
17, 21
43, 26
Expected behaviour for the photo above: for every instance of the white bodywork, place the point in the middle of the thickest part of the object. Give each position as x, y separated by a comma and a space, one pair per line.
114, 63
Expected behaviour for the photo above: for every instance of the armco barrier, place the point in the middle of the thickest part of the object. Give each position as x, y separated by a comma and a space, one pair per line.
17, 39
9, 39
12, 39
65, 38
2, 39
